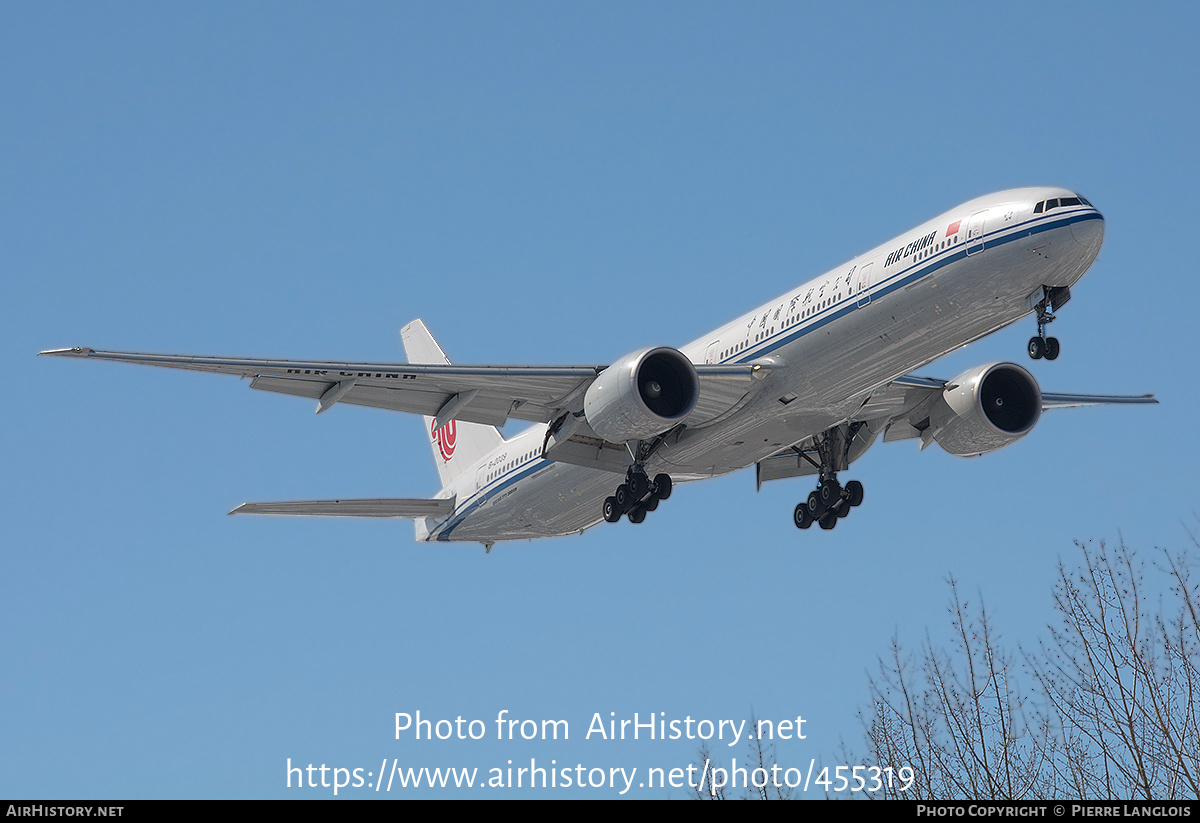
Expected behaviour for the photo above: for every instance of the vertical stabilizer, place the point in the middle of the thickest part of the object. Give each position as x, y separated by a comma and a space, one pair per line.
457, 445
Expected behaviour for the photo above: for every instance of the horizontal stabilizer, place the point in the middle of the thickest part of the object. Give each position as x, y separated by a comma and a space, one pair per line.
355, 508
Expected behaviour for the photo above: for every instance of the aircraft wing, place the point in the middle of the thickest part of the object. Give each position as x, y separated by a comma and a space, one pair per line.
477, 394
892, 409
439, 507
893, 404
1050, 400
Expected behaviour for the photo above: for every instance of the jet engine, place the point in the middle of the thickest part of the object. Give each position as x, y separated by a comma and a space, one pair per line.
985, 408
641, 395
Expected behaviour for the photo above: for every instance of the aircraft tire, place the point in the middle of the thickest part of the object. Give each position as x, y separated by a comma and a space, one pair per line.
815, 507
801, 517
829, 492
637, 485
1037, 348
856, 492
612, 512
1052, 348
651, 503
662, 486
828, 520
637, 514
624, 498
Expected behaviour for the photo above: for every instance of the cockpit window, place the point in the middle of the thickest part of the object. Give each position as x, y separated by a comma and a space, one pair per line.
1061, 202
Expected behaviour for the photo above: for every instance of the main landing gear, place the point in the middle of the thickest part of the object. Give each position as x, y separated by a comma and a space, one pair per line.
828, 504
636, 496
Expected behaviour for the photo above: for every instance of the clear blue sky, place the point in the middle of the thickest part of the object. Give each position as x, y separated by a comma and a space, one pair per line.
542, 184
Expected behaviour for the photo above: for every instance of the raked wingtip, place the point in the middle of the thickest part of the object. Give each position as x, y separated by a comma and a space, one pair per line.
77, 351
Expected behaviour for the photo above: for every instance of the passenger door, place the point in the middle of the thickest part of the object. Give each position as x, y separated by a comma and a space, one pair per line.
975, 232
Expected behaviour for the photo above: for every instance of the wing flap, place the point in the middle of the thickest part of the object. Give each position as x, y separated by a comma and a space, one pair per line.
440, 507
791, 463
486, 409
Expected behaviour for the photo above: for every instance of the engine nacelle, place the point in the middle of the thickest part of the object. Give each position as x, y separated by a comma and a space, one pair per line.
641, 395
985, 408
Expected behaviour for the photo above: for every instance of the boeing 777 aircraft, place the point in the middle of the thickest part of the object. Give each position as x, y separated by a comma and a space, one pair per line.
802, 385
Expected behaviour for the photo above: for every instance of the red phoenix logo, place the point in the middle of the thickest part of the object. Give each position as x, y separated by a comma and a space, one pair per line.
445, 438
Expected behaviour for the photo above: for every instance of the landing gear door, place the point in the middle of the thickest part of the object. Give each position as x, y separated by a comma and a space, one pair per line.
863, 286
975, 232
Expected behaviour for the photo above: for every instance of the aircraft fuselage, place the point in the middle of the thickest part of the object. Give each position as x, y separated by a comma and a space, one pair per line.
830, 343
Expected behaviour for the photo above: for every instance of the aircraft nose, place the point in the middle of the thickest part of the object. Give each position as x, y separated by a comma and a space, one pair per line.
1089, 233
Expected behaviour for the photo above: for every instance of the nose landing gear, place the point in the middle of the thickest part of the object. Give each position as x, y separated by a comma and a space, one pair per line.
1041, 345
1046, 347
1050, 302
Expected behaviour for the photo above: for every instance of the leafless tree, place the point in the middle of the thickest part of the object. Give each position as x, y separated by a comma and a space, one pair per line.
1110, 708
1123, 678
761, 757
959, 718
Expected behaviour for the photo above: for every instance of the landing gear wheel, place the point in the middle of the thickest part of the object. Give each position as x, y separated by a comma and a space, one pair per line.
624, 498
662, 486
651, 503
829, 492
815, 507
856, 493
843, 509
638, 485
1037, 348
1052, 348
612, 512
801, 517
828, 521
637, 514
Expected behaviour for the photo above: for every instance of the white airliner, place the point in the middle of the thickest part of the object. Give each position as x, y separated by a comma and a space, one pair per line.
800, 386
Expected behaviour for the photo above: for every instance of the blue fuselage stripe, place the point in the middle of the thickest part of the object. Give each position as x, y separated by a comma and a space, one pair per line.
899, 280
